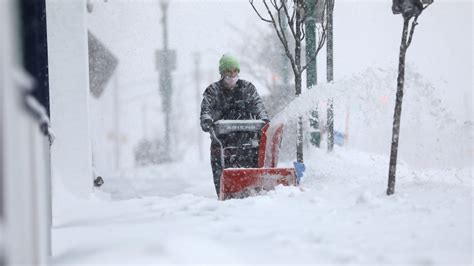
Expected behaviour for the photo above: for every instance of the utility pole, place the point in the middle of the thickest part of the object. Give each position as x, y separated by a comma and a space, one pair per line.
145, 120
310, 27
166, 62
311, 71
197, 77
330, 73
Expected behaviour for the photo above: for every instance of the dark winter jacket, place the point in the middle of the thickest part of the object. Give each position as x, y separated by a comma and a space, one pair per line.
242, 102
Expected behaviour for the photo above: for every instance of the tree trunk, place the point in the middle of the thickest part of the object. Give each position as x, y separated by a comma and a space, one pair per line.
299, 134
330, 75
398, 109
299, 131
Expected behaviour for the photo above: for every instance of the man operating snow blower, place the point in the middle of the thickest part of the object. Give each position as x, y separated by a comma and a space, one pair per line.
231, 98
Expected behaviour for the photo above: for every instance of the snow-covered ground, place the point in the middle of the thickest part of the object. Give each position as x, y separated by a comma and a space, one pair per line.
339, 215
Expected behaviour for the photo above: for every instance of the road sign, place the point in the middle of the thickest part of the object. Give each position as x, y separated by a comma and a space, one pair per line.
102, 64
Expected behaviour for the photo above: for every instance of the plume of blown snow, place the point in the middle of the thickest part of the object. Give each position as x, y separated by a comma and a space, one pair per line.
431, 136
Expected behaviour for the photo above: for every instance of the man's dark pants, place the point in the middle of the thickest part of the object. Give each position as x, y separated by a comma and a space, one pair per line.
216, 166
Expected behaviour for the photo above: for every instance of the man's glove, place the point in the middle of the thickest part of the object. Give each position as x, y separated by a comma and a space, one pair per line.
266, 121
206, 125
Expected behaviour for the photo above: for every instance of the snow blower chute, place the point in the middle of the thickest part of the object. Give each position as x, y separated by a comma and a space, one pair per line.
249, 156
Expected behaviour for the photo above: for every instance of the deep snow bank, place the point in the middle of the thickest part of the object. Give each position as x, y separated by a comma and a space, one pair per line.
339, 215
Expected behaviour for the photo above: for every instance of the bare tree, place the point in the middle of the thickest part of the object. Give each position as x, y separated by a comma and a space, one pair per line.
292, 14
267, 63
410, 10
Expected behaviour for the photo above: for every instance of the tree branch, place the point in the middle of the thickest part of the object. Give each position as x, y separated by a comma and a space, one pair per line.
281, 25
290, 20
427, 5
412, 30
274, 4
281, 36
413, 25
303, 33
258, 14
298, 26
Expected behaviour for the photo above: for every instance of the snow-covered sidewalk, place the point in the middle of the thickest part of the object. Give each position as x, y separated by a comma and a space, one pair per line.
339, 215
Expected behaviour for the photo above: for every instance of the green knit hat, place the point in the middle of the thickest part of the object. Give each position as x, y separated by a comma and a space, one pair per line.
228, 62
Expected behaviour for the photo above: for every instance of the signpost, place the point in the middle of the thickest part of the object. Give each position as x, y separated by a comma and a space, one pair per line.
165, 63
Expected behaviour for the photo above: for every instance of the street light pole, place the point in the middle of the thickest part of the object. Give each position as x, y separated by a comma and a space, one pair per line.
311, 71
166, 61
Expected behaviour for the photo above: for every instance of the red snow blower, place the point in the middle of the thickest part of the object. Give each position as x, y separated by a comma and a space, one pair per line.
249, 155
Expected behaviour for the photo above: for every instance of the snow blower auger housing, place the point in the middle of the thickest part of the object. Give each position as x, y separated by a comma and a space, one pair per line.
249, 156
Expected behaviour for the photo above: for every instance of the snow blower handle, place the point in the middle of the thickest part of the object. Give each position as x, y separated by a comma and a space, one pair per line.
214, 137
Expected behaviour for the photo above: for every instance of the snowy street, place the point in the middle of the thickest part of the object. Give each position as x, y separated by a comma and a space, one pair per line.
341, 215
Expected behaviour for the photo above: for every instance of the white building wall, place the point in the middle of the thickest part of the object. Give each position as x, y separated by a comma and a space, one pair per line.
103, 132
71, 154
24, 166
